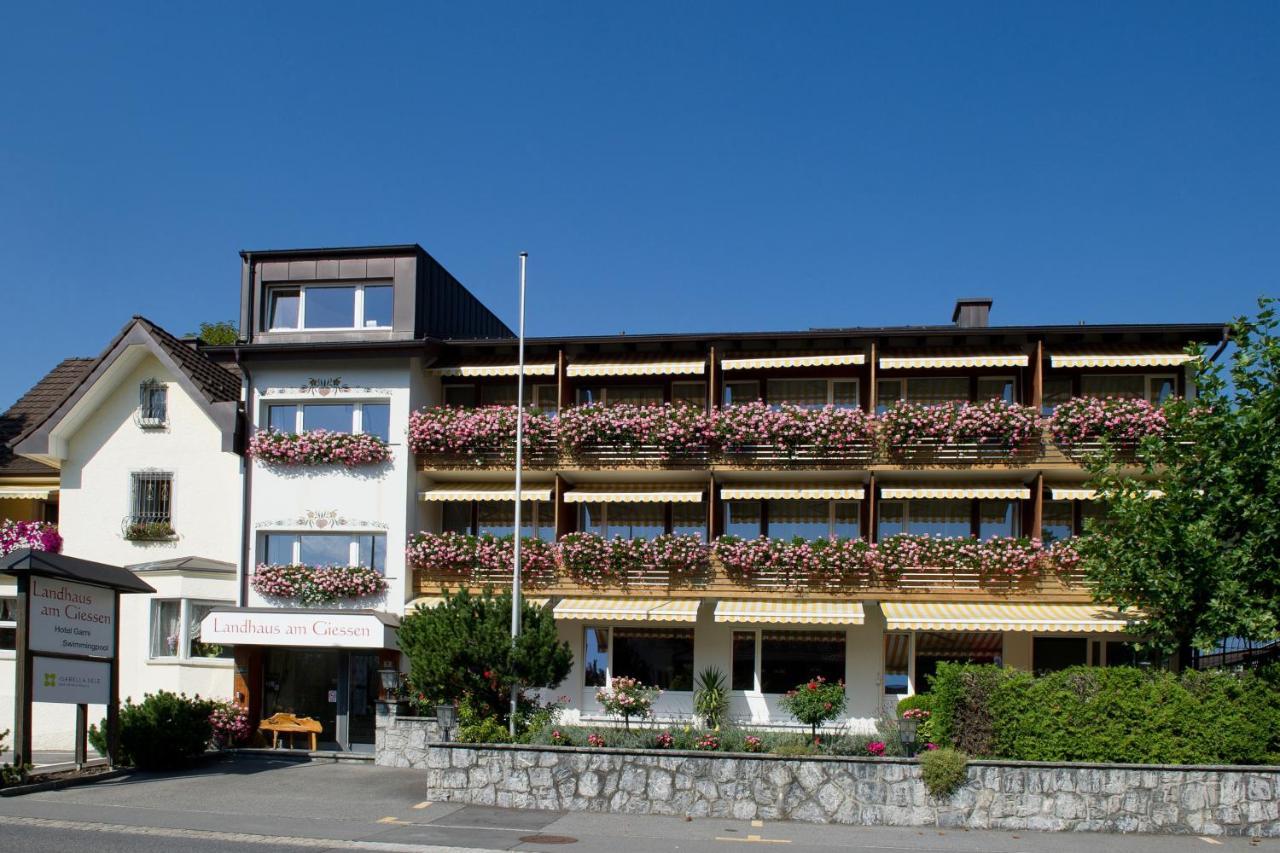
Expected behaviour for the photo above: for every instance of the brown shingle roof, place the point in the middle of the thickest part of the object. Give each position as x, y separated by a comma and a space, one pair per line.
32, 407
216, 381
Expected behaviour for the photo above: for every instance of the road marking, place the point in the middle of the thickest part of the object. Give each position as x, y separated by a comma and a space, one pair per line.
1207, 840
390, 819
423, 804
757, 823
755, 839
271, 841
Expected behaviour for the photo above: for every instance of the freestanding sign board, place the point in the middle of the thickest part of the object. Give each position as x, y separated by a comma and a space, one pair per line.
68, 641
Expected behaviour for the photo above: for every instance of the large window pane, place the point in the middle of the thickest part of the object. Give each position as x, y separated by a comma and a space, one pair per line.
1055, 393
636, 521
166, 628
459, 395
689, 519
888, 393
282, 418
498, 395
279, 548
790, 658
373, 550
1055, 521
284, 309
657, 657
8, 632
321, 549
376, 420
897, 651
1050, 654
635, 394
196, 649
948, 389
330, 308
498, 518
744, 660
689, 393
933, 647
891, 519
1131, 387
998, 518
741, 392
742, 518
334, 417
848, 520
939, 518
804, 519
1161, 388
591, 518
456, 517
595, 656
809, 393
844, 394
995, 388
378, 301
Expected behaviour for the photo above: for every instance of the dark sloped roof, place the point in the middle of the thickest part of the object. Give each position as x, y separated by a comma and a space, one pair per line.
27, 561
33, 407
219, 384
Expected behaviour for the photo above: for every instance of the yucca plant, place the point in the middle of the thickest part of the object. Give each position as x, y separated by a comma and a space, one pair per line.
711, 697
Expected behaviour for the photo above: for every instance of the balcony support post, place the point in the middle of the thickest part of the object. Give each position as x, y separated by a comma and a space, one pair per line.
1037, 377
1037, 507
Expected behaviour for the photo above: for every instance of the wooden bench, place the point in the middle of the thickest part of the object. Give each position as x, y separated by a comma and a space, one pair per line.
291, 725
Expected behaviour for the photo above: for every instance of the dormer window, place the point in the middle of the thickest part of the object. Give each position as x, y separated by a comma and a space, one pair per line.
330, 306
153, 400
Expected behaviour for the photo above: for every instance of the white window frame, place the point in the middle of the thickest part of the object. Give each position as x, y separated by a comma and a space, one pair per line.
353, 547
757, 689
755, 661
357, 412
831, 388
6, 654
184, 627
357, 308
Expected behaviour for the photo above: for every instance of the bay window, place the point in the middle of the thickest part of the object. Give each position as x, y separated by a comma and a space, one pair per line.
371, 418
175, 630
330, 306
326, 549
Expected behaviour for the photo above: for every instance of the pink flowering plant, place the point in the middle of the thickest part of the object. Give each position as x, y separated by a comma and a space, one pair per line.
230, 724
482, 559
596, 740
679, 555
664, 740
36, 535
790, 429
707, 743
1000, 558
995, 422
630, 428
876, 748
313, 585
1119, 420
751, 743
798, 563
626, 697
318, 447
475, 434
589, 559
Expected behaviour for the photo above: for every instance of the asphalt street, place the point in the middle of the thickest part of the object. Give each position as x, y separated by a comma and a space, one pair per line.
281, 805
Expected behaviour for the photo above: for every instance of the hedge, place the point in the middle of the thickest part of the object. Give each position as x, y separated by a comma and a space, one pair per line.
1115, 714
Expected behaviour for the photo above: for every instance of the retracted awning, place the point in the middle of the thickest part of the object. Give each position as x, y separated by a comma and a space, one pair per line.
790, 612
1000, 616
484, 492
629, 609
981, 492
540, 369
26, 493
430, 601
924, 360
1073, 494
633, 495
796, 493
800, 359
1119, 357
638, 367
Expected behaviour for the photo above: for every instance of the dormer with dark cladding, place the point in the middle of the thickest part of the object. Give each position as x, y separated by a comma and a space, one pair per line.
426, 301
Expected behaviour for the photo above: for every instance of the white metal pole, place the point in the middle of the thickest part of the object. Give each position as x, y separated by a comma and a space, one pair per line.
515, 569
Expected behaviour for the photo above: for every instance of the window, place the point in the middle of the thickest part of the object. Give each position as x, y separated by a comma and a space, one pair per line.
638, 395
8, 624
456, 517
897, 675
921, 389
933, 647
1095, 511
175, 630
326, 549
689, 519
370, 418
498, 518
888, 392
542, 397
459, 395
790, 658
1154, 389
331, 306
595, 656
1056, 521
1050, 654
998, 518
995, 388
814, 393
741, 391
744, 519
152, 497
658, 657
628, 520
927, 517
546, 398
744, 660
802, 519
153, 398
689, 394
789, 519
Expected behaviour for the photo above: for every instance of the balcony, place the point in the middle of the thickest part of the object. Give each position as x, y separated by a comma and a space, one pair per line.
681, 566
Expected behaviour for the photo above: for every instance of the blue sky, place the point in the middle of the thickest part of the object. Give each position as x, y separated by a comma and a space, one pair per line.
668, 166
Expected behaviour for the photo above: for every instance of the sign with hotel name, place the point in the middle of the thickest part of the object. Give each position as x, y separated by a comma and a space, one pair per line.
70, 682
71, 618
297, 628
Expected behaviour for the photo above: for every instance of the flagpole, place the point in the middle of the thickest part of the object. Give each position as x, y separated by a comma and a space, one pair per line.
515, 569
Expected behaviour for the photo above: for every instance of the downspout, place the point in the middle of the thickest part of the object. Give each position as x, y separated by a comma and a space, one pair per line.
246, 527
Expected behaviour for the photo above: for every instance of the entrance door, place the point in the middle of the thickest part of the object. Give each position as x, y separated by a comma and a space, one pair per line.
303, 682
362, 698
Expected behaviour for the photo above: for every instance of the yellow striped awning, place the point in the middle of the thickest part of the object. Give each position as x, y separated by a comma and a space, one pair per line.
795, 493
629, 609
484, 492
984, 492
925, 359
429, 601
1073, 494
635, 495
790, 612
637, 367
798, 359
1119, 357
26, 493
539, 369
1000, 616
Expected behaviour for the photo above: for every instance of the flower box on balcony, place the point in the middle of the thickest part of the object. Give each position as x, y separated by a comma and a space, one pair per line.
315, 585
481, 560
318, 447
1086, 425
149, 531
754, 434
451, 436
627, 434
960, 433
670, 559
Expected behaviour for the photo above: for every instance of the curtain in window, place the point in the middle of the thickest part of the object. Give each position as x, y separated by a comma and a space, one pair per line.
689, 519
891, 519
742, 518
949, 389
636, 521
939, 517
805, 519
1055, 393
810, 393
1055, 521
166, 628
888, 393
997, 518
1131, 387
636, 394
196, 649
499, 518
848, 520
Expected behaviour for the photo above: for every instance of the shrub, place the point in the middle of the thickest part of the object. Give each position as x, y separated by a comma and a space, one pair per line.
479, 723
626, 698
164, 731
815, 702
711, 697
9, 774
944, 771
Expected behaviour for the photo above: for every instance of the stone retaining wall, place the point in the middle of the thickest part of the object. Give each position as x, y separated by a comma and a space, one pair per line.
867, 792
403, 741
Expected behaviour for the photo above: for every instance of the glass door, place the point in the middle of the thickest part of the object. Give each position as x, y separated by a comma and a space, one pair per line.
363, 686
303, 682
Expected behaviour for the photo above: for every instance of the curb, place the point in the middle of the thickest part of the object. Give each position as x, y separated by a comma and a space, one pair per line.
59, 784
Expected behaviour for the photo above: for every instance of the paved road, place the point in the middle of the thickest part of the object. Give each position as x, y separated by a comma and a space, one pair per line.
270, 804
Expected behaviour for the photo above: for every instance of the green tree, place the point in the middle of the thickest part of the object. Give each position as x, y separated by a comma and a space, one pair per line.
462, 648
1202, 562
218, 334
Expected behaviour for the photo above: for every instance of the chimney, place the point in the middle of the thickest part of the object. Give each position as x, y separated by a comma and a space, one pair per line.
972, 312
